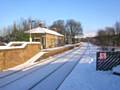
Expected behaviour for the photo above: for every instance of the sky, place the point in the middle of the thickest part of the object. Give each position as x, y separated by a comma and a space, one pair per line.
93, 14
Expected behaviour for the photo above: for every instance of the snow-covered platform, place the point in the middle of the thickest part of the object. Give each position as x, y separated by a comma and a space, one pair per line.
116, 70
71, 70
52, 72
85, 76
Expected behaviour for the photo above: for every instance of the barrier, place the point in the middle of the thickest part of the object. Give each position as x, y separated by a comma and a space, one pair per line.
107, 60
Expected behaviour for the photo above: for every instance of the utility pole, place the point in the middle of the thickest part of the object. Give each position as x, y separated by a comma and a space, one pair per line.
30, 36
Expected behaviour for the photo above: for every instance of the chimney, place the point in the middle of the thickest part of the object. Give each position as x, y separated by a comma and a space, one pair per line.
54, 29
40, 25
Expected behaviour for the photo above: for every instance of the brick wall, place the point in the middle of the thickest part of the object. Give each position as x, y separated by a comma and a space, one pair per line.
15, 56
50, 41
53, 41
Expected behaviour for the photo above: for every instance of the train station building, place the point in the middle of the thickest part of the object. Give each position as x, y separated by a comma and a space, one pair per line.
48, 38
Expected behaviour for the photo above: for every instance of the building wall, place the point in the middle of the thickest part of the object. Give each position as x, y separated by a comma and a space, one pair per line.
54, 41
36, 37
12, 57
61, 41
49, 40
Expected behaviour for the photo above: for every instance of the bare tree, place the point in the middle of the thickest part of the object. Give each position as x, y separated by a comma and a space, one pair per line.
58, 26
101, 37
117, 28
117, 37
73, 28
107, 36
110, 33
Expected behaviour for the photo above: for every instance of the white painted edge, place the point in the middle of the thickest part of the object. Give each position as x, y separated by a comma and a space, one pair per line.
24, 44
65, 46
28, 63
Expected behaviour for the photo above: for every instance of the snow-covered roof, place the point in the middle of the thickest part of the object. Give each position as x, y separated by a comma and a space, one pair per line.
43, 30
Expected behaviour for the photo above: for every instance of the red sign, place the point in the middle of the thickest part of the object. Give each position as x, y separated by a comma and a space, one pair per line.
102, 56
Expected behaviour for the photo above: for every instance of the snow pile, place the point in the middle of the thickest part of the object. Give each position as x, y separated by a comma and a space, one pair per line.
116, 69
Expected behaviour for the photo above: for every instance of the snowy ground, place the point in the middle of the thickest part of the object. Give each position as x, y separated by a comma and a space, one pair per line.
72, 70
85, 76
116, 69
38, 76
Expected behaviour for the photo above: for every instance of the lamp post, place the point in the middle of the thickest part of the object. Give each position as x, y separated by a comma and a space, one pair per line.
30, 37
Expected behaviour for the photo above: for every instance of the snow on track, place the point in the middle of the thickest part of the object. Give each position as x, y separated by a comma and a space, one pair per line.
18, 75
42, 63
27, 81
85, 76
56, 78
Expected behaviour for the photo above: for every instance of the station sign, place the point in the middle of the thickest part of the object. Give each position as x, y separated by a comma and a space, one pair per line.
102, 56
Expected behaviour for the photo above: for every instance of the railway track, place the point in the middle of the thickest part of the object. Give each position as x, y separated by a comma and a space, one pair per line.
63, 65
37, 63
9, 82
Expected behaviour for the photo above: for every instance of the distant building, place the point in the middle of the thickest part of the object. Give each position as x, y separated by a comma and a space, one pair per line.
48, 38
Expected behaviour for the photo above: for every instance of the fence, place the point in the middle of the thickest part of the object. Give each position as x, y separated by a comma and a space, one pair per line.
107, 60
